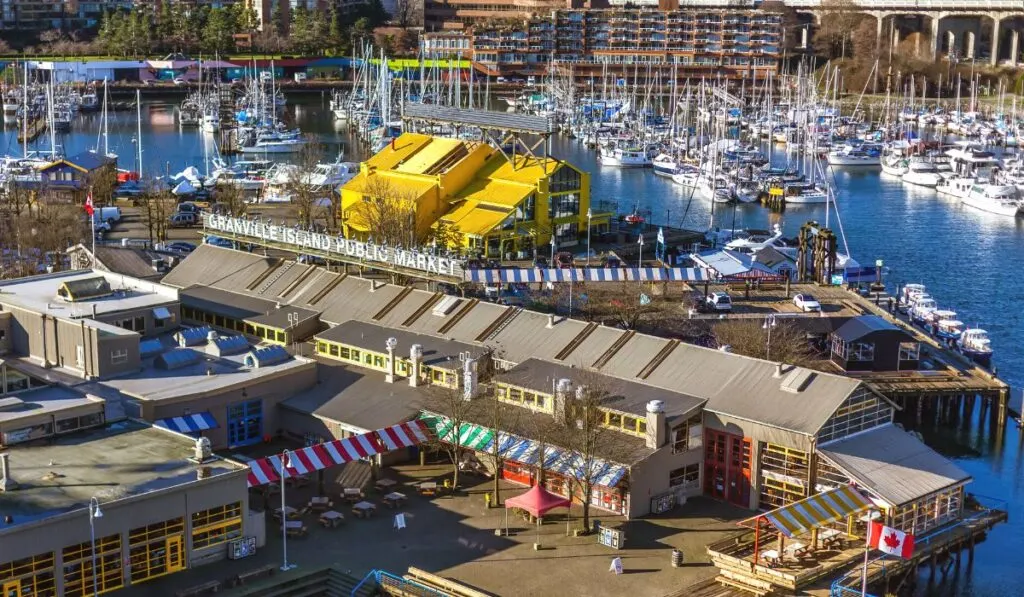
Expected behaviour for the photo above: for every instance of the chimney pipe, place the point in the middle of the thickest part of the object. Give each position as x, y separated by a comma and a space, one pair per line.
657, 434
415, 357
6, 482
551, 321
778, 370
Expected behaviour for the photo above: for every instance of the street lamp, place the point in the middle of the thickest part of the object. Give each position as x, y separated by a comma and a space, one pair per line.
553, 246
640, 258
769, 323
94, 513
285, 463
590, 215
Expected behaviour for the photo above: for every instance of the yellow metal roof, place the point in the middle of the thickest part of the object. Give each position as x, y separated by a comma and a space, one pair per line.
400, 149
527, 170
495, 192
428, 155
480, 221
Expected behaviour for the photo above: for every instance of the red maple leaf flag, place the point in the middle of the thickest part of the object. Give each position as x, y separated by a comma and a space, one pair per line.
88, 204
890, 540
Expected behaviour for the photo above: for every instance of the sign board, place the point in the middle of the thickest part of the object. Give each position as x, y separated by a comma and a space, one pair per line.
302, 241
242, 548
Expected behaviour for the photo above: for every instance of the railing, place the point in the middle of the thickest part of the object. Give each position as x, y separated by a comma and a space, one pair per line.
922, 5
407, 587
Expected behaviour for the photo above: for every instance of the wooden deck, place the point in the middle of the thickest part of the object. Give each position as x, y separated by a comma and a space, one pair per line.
734, 558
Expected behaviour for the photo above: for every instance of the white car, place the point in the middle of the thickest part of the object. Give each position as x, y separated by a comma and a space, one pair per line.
179, 81
806, 302
719, 301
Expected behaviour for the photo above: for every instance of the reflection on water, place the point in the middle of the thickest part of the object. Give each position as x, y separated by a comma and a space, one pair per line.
968, 259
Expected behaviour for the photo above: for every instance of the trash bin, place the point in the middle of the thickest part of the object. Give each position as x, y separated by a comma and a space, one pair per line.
487, 500
597, 526
677, 558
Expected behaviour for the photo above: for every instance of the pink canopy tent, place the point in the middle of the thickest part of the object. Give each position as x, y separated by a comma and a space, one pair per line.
538, 502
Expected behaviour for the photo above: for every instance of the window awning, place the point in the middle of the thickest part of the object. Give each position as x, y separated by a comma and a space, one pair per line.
161, 313
818, 510
193, 423
595, 274
526, 451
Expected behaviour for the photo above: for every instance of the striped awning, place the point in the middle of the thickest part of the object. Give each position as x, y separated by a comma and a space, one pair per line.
818, 510
193, 423
314, 458
403, 435
526, 451
595, 274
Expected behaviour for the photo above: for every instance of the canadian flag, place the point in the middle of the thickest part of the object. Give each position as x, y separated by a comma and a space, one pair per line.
88, 203
890, 540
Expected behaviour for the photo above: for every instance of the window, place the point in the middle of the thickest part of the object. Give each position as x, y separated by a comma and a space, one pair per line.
79, 572
216, 525
863, 410
333, 350
838, 346
118, 356
30, 576
862, 351
157, 549
688, 477
280, 337
688, 435
784, 474
910, 351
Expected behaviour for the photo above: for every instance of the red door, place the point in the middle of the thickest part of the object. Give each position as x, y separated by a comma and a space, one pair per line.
727, 467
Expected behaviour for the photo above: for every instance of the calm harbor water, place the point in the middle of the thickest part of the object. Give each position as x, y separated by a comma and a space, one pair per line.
966, 258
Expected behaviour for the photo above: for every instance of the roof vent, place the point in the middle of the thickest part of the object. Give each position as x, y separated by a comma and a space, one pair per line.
656, 407
797, 380
446, 306
6, 482
212, 335
778, 370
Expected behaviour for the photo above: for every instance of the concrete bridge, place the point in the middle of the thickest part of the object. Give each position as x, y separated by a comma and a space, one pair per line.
961, 29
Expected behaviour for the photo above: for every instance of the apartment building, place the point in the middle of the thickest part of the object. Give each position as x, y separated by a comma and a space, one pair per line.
632, 46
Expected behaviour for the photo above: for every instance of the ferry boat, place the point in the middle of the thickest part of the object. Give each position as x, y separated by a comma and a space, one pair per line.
975, 344
922, 172
994, 198
909, 295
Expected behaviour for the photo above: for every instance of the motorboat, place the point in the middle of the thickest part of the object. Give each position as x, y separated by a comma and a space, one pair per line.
276, 143
949, 330
753, 242
908, 295
90, 102
12, 105
746, 191
975, 344
686, 175
862, 155
211, 121
922, 172
619, 157
995, 198
956, 186
804, 193
324, 178
664, 165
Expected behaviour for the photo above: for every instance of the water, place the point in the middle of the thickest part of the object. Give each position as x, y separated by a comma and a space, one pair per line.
966, 258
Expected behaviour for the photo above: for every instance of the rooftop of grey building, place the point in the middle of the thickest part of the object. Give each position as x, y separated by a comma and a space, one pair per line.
39, 294
437, 351
116, 461
42, 401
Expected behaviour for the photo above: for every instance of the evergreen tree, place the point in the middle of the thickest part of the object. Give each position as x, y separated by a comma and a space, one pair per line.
218, 31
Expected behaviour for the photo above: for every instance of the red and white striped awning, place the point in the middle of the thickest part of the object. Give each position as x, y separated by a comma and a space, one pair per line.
403, 435
314, 458
321, 456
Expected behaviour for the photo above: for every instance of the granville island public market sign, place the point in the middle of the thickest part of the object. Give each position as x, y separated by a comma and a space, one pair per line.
303, 240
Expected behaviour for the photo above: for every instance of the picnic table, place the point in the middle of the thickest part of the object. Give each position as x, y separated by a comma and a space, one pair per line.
797, 550
428, 488
320, 503
294, 528
331, 519
352, 494
385, 484
831, 538
394, 499
288, 511
771, 557
364, 509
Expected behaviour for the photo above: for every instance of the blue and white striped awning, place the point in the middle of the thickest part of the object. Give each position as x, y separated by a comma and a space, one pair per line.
189, 423
589, 274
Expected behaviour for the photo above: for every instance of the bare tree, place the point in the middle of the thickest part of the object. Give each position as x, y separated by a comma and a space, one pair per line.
581, 428
102, 182
304, 195
158, 206
750, 337
459, 411
408, 13
838, 21
628, 304
229, 199
389, 213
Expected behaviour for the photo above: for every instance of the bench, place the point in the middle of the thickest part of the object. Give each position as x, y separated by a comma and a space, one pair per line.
207, 587
242, 577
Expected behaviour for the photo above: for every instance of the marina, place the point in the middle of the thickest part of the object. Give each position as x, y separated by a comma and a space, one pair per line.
955, 403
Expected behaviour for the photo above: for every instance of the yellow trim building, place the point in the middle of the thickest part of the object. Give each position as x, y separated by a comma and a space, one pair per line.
491, 203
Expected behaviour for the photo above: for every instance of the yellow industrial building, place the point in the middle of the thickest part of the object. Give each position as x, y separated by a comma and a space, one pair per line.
486, 201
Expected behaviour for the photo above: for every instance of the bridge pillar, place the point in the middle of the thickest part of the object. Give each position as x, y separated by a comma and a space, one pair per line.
971, 45
995, 40
935, 36
951, 42
1014, 46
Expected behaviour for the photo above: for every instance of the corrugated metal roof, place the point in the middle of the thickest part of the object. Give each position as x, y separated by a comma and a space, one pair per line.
595, 345
861, 326
404, 146
894, 464
634, 356
496, 192
480, 118
437, 351
430, 154
480, 221
528, 335
353, 299
215, 266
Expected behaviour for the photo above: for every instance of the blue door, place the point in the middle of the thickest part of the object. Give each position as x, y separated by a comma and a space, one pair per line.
245, 423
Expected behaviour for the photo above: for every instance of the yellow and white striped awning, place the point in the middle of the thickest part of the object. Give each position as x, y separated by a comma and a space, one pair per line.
818, 510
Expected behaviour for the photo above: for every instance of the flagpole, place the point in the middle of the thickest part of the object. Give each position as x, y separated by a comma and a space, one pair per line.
92, 226
867, 551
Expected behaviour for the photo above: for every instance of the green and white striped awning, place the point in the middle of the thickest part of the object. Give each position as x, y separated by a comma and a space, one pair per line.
469, 435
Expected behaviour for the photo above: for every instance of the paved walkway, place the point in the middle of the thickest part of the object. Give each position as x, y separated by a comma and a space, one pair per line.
454, 537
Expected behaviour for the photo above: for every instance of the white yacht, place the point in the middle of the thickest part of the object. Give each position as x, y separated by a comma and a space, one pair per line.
804, 193
922, 172
849, 156
956, 186
994, 198
11, 107
686, 175
281, 180
976, 344
664, 165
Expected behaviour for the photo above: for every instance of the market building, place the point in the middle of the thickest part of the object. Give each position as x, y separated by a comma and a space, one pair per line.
473, 195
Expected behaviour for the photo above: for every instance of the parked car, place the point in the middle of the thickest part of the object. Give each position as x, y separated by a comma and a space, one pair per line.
719, 301
806, 302
564, 259
182, 220
179, 81
107, 214
180, 247
219, 242
188, 207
